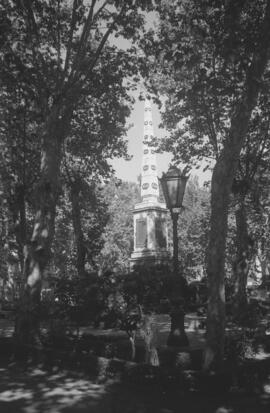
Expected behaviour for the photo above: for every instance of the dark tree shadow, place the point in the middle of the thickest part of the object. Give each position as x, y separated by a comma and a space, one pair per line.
35, 390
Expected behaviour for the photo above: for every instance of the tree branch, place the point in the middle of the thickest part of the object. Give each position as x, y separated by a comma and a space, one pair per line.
100, 10
70, 36
77, 81
263, 142
27, 5
32, 24
103, 41
92, 19
211, 128
252, 85
83, 40
58, 36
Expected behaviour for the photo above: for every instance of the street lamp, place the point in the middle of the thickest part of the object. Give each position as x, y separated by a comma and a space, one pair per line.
173, 185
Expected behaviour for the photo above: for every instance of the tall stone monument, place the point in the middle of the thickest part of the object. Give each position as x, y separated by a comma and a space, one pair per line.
149, 216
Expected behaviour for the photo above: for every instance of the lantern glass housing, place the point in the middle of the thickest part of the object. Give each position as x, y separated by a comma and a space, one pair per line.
173, 185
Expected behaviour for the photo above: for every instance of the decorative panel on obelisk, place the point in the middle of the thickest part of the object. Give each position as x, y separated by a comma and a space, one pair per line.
149, 216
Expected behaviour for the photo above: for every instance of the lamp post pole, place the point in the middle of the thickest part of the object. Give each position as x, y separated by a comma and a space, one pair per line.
175, 216
173, 185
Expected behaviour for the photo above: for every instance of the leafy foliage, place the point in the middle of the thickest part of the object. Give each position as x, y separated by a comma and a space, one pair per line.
193, 230
118, 234
62, 80
93, 218
198, 59
19, 165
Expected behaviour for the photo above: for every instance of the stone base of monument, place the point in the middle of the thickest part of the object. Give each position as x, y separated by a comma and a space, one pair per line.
150, 234
148, 258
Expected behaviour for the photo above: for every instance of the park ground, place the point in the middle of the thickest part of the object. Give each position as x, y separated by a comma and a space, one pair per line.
34, 389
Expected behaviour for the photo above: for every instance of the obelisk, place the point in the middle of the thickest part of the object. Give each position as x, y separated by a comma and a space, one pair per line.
149, 216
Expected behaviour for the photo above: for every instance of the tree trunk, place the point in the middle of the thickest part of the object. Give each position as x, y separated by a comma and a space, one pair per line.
223, 174
38, 251
77, 226
222, 179
21, 224
3, 252
241, 267
221, 184
263, 257
265, 268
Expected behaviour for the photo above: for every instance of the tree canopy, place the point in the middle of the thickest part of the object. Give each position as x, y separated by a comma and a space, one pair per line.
211, 61
57, 55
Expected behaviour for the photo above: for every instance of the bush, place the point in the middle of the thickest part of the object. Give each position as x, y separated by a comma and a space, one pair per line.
78, 300
113, 299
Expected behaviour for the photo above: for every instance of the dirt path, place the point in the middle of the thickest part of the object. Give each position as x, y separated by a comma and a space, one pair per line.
38, 391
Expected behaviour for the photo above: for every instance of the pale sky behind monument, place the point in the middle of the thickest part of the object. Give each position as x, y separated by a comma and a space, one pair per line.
130, 170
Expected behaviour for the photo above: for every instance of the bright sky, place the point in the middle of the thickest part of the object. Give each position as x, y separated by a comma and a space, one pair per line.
130, 170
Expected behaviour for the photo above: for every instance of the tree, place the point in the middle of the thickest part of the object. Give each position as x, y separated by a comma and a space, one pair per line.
60, 54
118, 235
19, 163
19, 171
193, 229
252, 169
79, 227
211, 59
90, 145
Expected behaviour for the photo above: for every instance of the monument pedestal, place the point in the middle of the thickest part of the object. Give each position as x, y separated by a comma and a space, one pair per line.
150, 234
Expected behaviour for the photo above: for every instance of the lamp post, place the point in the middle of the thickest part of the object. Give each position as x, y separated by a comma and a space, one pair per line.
173, 185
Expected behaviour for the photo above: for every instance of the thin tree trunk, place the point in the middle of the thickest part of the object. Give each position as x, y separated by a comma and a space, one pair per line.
77, 226
21, 201
241, 268
3, 251
21, 228
38, 251
221, 184
264, 261
222, 179
263, 258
